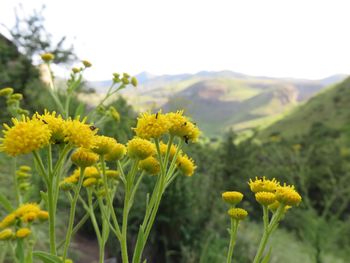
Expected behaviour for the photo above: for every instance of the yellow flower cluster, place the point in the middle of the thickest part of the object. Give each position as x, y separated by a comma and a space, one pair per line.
103, 144
26, 213
270, 193
117, 152
31, 134
25, 136
156, 125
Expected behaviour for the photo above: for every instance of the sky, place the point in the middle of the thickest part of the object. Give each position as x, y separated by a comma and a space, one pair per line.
277, 38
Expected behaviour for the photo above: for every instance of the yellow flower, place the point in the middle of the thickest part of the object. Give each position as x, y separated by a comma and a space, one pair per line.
16, 96
79, 134
112, 173
89, 172
27, 208
164, 147
182, 127
152, 125
186, 165
150, 165
25, 168
43, 215
233, 197
76, 70
89, 182
237, 213
47, 57
55, 123
86, 63
25, 136
103, 144
263, 185
84, 158
117, 152
6, 234
29, 217
8, 220
23, 232
287, 195
265, 198
6, 91
140, 149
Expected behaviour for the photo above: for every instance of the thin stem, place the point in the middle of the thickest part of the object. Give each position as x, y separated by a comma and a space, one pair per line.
233, 235
109, 200
72, 213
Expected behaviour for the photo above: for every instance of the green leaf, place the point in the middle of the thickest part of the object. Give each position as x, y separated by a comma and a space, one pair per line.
44, 197
46, 257
267, 257
6, 203
80, 110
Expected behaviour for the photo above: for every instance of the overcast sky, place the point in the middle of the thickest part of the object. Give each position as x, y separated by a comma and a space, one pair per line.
280, 38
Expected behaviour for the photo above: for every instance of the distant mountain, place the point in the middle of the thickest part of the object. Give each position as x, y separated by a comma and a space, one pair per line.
223, 99
330, 108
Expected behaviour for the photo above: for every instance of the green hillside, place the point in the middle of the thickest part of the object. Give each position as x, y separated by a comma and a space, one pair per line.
222, 100
331, 108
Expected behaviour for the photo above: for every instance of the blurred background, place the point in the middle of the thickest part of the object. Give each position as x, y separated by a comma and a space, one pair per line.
266, 81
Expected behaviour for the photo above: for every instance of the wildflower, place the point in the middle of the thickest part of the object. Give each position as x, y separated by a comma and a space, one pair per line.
22, 175
103, 144
16, 96
25, 136
84, 158
164, 148
11, 102
140, 149
76, 70
24, 186
288, 195
29, 217
182, 127
233, 197
43, 215
114, 113
47, 57
89, 182
6, 234
86, 63
150, 165
6, 91
125, 81
112, 173
237, 213
90, 171
8, 220
151, 125
23, 232
116, 153
27, 208
265, 198
186, 165
134, 81
263, 185
25, 168
55, 123
79, 134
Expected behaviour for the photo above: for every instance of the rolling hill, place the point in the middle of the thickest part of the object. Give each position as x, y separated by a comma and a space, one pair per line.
222, 100
331, 107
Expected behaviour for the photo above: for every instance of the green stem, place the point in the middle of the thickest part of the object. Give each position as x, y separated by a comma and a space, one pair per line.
109, 200
233, 235
18, 194
72, 213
